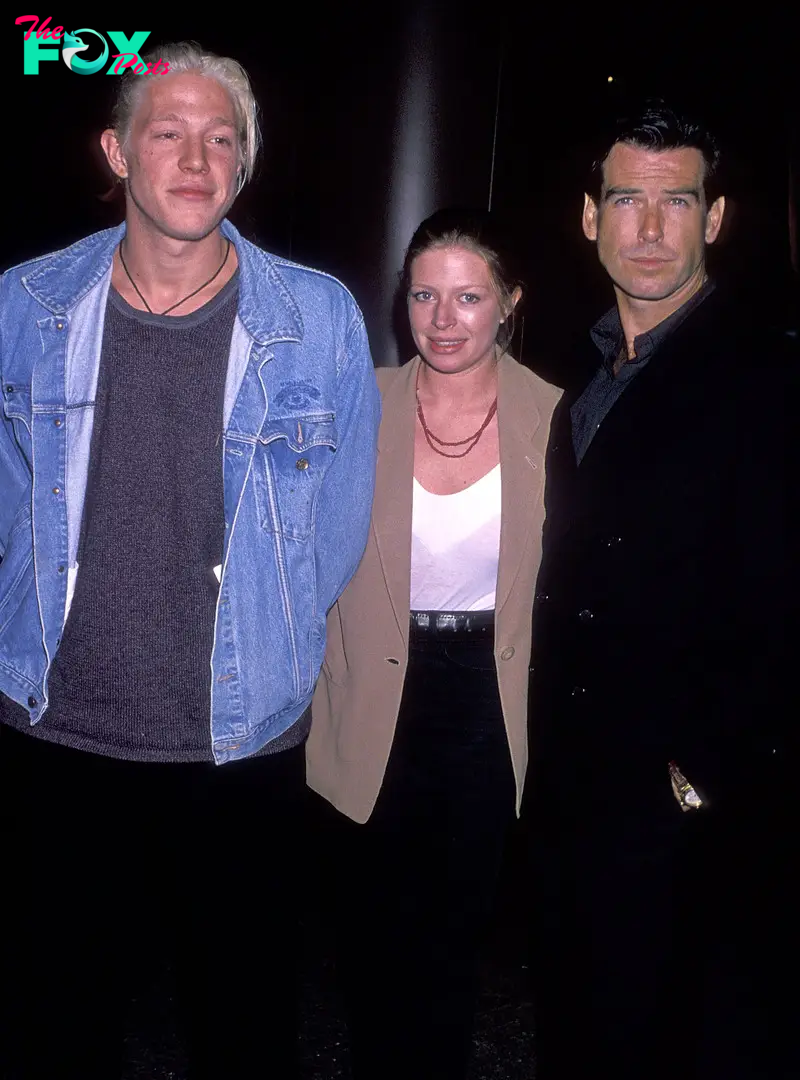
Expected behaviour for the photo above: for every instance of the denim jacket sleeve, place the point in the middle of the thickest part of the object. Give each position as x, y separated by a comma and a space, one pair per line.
345, 499
15, 473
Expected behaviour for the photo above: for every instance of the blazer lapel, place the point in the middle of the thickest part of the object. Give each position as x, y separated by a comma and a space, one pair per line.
522, 447
392, 504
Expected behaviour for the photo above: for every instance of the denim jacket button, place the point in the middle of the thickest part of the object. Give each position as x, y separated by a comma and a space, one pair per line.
302, 463
32, 702
58, 421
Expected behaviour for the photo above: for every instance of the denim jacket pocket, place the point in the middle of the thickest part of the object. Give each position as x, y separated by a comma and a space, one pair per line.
294, 453
17, 407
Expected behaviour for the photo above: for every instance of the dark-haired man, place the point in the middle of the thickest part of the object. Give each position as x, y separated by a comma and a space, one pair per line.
660, 687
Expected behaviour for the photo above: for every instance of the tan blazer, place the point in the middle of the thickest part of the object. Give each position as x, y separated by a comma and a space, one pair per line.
357, 699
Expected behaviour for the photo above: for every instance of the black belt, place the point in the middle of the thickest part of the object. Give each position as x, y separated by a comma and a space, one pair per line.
449, 625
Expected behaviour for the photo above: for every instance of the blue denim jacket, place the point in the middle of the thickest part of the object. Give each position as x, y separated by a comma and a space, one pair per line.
299, 443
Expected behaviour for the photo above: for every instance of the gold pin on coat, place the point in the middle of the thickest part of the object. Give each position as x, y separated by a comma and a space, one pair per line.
687, 797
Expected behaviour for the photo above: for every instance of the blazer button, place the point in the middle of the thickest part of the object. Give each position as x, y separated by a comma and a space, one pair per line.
541, 597
508, 652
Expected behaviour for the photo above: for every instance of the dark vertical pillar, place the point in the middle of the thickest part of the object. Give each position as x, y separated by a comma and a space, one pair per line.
395, 119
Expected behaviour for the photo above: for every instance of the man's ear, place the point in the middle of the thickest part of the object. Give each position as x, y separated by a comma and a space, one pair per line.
114, 154
714, 219
589, 220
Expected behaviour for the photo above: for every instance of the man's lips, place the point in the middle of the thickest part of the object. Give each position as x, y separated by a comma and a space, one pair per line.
647, 260
192, 192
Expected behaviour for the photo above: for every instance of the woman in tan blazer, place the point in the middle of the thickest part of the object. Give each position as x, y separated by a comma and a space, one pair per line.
420, 715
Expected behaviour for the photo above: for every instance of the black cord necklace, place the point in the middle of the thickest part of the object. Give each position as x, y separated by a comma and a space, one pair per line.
183, 301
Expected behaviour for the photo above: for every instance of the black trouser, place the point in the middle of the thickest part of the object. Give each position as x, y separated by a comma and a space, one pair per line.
664, 946
108, 863
419, 877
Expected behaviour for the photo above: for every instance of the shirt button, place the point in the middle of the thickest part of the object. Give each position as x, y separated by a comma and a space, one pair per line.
32, 702
507, 653
578, 691
586, 616
302, 463
541, 597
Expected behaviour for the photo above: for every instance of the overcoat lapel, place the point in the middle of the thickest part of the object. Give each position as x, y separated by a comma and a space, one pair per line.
391, 509
522, 447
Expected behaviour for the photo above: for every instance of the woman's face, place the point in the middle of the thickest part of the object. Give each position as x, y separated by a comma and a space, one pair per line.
453, 309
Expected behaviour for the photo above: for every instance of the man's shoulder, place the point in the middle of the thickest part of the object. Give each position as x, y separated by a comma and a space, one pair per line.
86, 245
56, 274
301, 280
739, 331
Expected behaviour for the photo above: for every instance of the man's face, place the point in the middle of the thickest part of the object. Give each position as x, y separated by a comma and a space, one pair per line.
181, 159
652, 223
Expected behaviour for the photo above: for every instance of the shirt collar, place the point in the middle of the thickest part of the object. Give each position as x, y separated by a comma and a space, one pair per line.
609, 339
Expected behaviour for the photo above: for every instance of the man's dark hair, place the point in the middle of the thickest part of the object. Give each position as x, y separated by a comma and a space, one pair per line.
655, 125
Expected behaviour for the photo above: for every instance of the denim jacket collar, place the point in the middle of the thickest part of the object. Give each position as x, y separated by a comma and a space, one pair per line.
267, 308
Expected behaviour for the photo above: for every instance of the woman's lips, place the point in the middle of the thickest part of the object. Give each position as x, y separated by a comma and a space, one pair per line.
446, 345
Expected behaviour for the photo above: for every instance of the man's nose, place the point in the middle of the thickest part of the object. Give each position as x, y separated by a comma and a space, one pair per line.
193, 156
651, 229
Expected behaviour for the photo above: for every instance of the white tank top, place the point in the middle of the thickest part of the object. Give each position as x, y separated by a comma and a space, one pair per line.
455, 547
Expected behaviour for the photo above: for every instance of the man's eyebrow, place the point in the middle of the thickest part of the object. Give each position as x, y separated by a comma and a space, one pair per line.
174, 118
610, 192
683, 191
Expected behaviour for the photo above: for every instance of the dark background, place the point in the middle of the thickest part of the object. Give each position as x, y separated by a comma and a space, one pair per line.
374, 118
